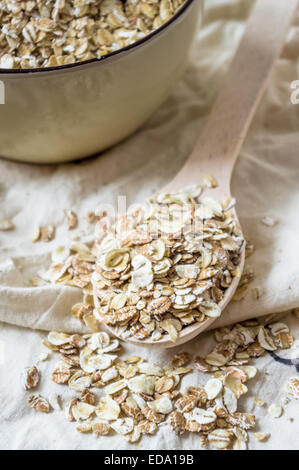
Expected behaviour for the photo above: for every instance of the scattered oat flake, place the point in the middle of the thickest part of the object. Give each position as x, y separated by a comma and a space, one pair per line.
146, 287
265, 339
147, 427
209, 181
47, 233
82, 410
72, 220
79, 382
84, 427
123, 426
259, 401
133, 436
230, 400
88, 397
43, 356
31, 378
108, 409
240, 292
55, 401
256, 293
39, 403
58, 339
220, 438
181, 359
177, 422
275, 410
59, 33
292, 387
61, 375
261, 436
285, 400
212, 388
239, 445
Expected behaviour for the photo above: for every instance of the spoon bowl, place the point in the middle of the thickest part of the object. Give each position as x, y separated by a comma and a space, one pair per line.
189, 332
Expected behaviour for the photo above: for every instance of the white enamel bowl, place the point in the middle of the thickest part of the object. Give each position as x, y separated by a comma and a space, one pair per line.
75, 111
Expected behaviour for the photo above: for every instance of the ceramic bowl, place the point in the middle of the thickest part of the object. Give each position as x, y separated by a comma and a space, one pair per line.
70, 112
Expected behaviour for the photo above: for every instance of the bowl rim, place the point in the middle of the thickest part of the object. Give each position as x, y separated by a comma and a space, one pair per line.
103, 59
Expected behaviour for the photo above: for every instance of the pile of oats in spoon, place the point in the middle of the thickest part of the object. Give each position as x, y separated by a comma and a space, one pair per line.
39, 33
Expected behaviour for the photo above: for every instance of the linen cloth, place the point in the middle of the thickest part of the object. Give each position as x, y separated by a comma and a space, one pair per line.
265, 183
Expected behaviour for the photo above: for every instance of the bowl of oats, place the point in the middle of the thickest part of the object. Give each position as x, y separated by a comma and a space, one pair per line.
78, 76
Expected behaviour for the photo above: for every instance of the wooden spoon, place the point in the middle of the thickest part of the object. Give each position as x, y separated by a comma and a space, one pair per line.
220, 142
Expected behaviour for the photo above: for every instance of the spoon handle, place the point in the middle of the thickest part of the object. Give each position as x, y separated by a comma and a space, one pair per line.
220, 142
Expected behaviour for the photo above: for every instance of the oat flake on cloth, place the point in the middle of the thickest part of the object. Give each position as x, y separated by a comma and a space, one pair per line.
265, 182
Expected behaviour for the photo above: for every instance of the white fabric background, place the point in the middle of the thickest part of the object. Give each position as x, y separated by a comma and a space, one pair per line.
265, 182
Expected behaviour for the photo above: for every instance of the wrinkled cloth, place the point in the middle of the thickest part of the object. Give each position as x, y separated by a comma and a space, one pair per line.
265, 183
